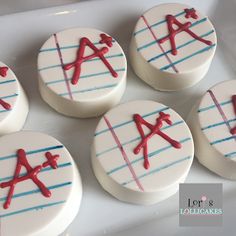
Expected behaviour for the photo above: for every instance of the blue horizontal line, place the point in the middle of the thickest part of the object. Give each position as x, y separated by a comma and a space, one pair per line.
43, 170
9, 96
39, 207
94, 59
136, 139
156, 24
85, 76
217, 124
159, 169
66, 47
180, 46
222, 140
188, 57
1, 111
130, 121
150, 155
155, 41
90, 89
37, 191
32, 152
7, 81
230, 155
213, 106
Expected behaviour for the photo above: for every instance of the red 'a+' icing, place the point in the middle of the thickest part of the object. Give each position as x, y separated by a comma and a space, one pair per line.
155, 129
31, 174
81, 58
233, 130
171, 20
3, 73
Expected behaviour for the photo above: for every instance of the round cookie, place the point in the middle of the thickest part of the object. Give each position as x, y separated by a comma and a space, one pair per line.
14, 104
82, 72
213, 122
172, 46
141, 151
39, 183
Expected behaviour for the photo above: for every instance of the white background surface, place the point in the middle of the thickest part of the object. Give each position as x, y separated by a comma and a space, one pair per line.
23, 34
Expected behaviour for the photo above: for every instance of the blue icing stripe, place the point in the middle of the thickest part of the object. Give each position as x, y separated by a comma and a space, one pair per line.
150, 155
217, 124
43, 170
38, 207
135, 139
90, 89
154, 42
2, 111
180, 46
85, 76
159, 169
230, 155
214, 106
37, 191
66, 47
7, 81
32, 152
131, 121
9, 96
157, 23
188, 57
222, 140
91, 60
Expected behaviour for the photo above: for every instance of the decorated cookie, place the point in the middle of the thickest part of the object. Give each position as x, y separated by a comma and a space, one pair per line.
82, 72
39, 184
172, 46
142, 150
14, 105
213, 124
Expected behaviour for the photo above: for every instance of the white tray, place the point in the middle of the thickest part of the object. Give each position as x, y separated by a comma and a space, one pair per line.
22, 35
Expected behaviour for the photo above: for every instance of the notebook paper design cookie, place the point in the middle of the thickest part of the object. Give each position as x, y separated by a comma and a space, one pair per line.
39, 184
213, 122
82, 72
141, 151
14, 105
172, 46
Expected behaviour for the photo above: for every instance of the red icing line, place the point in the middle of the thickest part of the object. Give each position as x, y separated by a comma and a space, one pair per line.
155, 129
3, 71
80, 59
191, 13
31, 174
160, 46
5, 105
106, 39
233, 130
124, 154
171, 20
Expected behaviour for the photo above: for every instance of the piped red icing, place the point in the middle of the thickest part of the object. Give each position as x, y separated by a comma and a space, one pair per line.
171, 20
233, 130
155, 129
106, 39
5, 105
3, 71
81, 58
32, 173
191, 13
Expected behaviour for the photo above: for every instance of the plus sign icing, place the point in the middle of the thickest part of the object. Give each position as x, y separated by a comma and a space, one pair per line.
14, 105
141, 151
39, 184
172, 46
82, 72
213, 122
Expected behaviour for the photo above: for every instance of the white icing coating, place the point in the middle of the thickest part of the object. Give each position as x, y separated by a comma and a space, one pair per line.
12, 93
97, 89
30, 213
132, 182
211, 121
153, 61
